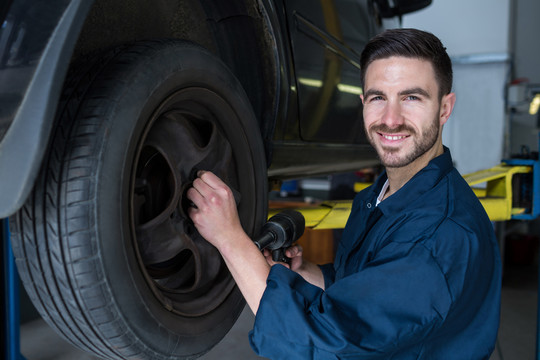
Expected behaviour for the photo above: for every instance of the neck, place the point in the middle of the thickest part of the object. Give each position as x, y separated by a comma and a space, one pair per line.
399, 176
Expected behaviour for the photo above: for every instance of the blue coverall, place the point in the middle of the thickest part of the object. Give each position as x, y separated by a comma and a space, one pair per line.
416, 277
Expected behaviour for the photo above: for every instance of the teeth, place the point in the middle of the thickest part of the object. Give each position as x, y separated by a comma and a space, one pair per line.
395, 137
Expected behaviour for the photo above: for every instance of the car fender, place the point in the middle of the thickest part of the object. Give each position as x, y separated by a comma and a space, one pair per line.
34, 103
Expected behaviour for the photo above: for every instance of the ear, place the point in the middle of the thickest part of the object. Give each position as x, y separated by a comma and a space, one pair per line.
447, 105
362, 98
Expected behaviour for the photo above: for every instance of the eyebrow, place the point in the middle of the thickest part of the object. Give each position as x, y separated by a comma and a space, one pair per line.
416, 90
372, 92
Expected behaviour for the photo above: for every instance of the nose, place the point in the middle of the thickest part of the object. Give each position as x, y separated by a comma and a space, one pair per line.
392, 116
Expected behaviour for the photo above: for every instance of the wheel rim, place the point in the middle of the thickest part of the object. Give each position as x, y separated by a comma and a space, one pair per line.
185, 272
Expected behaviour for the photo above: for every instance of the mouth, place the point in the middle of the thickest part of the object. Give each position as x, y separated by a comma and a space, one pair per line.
393, 137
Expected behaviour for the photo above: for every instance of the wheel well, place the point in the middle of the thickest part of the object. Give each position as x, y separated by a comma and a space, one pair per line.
234, 30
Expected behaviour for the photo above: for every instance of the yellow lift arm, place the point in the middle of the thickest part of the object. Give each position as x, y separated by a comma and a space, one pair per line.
498, 196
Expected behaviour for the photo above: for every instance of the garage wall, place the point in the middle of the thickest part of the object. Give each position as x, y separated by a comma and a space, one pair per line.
477, 36
466, 27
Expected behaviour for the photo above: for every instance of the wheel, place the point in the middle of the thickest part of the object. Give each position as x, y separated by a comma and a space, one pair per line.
104, 245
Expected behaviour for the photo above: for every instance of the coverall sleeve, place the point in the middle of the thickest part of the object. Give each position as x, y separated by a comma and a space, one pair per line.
387, 306
329, 274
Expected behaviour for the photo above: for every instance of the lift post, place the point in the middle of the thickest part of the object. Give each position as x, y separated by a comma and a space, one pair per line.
10, 284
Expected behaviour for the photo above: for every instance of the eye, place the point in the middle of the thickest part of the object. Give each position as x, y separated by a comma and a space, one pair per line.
412, 97
375, 98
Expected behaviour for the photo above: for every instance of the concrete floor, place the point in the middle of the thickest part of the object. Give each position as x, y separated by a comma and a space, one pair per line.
40, 342
517, 334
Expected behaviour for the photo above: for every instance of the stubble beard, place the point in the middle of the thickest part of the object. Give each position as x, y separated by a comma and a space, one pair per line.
390, 157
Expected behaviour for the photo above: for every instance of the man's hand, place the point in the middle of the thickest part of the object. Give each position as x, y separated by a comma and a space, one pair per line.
308, 270
216, 218
294, 253
215, 215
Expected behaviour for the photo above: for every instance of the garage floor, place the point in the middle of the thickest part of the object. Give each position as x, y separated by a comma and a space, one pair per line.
40, 342
517, 334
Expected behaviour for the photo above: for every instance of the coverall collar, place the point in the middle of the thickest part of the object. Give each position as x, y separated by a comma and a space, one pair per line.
418, 185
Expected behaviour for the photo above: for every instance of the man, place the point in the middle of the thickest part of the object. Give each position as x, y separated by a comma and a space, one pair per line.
417, 272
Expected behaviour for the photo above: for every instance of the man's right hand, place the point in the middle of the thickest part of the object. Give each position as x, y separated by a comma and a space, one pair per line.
308, 270
294, 253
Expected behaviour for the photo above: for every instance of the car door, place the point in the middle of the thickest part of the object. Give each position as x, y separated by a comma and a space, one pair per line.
327, 37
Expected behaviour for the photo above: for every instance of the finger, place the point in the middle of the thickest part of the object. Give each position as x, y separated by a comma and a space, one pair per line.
194, 195
192, 212
293, 251
221, 187
197, 206
202, 187
268, 255
211, 179
200, 172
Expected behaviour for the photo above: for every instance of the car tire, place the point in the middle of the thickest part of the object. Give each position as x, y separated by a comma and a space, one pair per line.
104, 246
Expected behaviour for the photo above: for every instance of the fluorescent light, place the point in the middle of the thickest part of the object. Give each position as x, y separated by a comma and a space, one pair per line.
535, 103
355, 90
350, 89
310, 82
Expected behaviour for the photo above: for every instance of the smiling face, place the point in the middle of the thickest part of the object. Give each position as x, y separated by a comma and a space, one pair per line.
403, 115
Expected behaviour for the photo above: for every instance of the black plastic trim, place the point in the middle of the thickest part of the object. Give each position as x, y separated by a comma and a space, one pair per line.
300, 160
25, 142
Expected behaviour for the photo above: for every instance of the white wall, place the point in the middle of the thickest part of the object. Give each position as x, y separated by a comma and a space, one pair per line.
466, 26
476, 34
475, 131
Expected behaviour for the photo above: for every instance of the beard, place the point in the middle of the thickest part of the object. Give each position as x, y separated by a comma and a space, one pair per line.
391, 157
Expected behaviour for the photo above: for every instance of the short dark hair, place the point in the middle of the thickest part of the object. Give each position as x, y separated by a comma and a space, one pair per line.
411, 43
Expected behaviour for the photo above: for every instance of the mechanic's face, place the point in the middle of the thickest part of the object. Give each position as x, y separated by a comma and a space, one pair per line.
403, 116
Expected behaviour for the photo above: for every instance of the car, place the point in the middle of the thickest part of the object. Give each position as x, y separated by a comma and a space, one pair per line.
108, 110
